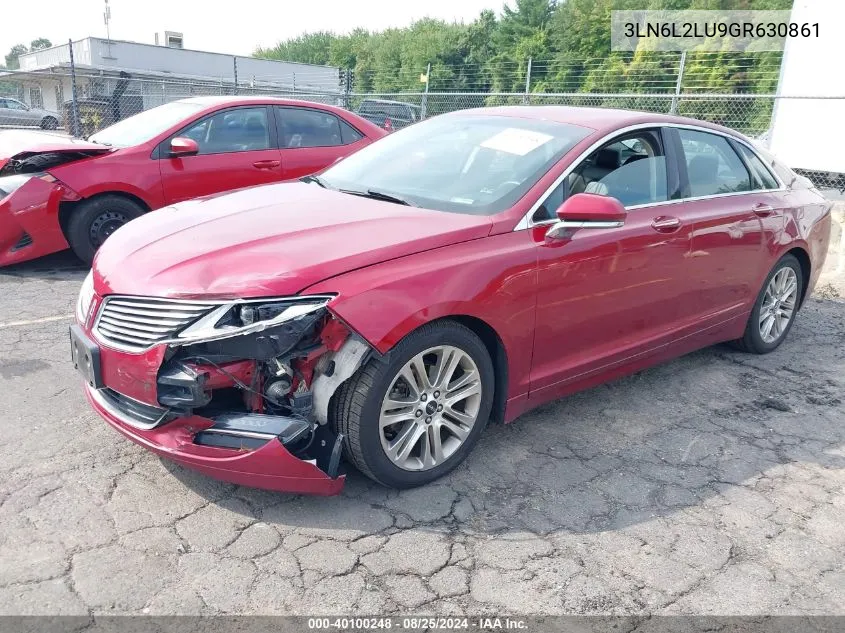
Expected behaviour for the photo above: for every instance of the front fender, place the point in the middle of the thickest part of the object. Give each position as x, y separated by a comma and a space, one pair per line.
492, 279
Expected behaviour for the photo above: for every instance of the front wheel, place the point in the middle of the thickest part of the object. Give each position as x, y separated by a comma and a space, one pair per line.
775, 309
411, 420
49, 123
94, 220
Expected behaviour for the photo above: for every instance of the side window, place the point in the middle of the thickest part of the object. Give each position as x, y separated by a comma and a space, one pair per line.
300, 127
763, 176
631, 169
713, 167
15, 105
236, 130
3, 104
348, 134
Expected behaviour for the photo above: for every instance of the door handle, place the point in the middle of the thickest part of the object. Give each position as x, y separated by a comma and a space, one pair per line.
666, 224
266, 164
763, 210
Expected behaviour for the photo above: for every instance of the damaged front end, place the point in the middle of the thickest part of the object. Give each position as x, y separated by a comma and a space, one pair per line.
241, 388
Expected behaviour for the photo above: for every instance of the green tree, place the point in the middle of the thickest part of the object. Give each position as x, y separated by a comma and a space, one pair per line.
12, 56
40, 43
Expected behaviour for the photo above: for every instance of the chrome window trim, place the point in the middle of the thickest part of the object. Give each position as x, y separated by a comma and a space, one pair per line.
177, 340
527, 223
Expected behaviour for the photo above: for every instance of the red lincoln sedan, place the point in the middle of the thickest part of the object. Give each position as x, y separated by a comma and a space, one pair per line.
56, 191
466, 268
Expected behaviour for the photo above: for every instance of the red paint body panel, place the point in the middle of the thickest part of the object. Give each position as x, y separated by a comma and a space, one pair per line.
271, 467
570, 312
158, 182
263, 241
32, 209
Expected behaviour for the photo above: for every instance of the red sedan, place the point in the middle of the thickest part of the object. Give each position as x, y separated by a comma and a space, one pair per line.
56, 191
464, 269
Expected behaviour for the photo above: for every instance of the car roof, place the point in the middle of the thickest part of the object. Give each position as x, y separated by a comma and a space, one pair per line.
236, 99
602, 120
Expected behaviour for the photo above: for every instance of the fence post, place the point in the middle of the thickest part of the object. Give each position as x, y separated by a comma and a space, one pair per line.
425, 94
235, 64
527, 82
74, 104
674, 107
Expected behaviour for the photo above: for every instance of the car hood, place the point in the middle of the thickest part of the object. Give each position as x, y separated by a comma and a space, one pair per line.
21, 144
268, 240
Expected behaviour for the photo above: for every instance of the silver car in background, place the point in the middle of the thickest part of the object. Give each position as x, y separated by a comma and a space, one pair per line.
14, 113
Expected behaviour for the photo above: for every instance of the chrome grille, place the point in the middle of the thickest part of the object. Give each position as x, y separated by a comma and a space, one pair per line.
136, 323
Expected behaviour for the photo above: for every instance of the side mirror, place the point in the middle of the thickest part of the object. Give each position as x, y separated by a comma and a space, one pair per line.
588, 211
183, 146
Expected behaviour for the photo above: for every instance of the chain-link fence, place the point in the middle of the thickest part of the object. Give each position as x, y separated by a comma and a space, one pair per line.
80, 101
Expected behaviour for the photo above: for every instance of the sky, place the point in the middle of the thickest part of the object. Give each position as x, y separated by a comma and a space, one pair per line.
221, 26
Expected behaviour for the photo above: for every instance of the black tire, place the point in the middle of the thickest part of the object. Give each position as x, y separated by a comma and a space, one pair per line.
752, 340
49, 123
92, 221
356, 405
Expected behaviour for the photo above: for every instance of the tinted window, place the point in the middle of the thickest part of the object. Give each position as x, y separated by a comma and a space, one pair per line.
472, 164
299, 127
237, 130
763, 176
348, 134
713, 167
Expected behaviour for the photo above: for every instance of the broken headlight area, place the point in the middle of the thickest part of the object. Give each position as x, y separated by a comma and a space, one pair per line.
250, 368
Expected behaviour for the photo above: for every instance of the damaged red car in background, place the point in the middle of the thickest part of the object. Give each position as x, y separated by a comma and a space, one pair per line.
57, 191
468, 267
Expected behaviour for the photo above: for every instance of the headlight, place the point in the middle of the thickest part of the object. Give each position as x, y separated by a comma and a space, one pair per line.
10, 184
86, 295
250, 316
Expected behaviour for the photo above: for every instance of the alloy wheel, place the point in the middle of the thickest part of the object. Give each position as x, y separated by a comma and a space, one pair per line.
430, 408
779, 303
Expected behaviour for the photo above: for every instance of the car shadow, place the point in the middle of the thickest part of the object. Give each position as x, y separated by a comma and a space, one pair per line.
58, 266
659, 442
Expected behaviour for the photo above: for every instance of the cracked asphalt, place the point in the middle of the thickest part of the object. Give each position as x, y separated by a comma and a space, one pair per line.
709, 485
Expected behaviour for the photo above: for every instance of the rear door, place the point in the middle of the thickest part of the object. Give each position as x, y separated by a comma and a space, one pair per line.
237, 148
730, 212
311, 139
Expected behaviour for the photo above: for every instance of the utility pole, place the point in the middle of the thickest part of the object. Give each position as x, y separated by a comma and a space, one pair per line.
425, 94
106, 19
674, 108
527, 82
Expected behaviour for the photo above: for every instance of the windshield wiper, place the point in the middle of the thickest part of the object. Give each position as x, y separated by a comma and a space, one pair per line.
317, 180
375, 194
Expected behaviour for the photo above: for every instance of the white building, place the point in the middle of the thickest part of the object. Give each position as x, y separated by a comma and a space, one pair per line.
156, 74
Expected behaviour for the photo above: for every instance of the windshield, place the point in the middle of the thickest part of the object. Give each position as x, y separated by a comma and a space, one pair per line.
146, 125
477, 165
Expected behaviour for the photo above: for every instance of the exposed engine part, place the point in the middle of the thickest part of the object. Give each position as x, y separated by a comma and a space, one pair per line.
345, 362
281, 368
28, 163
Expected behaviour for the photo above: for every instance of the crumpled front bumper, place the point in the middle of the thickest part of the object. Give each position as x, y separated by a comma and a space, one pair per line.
29, 221
270, 467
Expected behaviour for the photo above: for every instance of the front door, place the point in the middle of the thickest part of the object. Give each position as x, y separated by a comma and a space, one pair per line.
609, 295
237, 149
